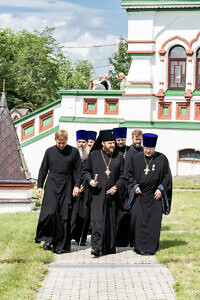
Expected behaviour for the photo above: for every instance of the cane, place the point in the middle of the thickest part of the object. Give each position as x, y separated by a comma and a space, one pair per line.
95, 179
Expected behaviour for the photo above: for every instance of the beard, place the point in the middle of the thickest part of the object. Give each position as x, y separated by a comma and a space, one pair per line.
84, 152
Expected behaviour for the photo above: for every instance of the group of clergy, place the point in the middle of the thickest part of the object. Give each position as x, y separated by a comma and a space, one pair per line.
118, 193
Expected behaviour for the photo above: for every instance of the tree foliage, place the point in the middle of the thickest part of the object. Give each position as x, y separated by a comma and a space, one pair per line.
120, 62
35, 68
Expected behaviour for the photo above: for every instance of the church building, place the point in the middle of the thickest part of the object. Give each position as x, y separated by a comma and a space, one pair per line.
162, 96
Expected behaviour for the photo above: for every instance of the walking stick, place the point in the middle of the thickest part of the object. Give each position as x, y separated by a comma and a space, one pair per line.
86, 217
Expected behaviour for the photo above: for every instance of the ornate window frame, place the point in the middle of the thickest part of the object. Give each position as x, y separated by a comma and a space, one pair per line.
26, 125
179, 106
42, 118
108, 110
179, 61
188, 159
86, 109
161, 114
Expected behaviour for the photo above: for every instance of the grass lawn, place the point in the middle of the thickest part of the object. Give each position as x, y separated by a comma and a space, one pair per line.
186, 182
180, 243
22, 262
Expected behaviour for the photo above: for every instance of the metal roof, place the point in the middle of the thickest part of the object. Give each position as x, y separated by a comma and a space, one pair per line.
144, 4
12, 163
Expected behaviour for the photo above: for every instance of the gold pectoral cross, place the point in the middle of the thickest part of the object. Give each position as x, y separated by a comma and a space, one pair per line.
107, 172
146, 170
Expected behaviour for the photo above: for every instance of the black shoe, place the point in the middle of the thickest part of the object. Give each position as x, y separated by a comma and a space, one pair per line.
47, 246
112, 251
145, 253
57, 251
96, 253
66, 249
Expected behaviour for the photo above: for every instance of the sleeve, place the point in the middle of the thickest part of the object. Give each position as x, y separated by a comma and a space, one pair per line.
44, 168
77, 169
166, 187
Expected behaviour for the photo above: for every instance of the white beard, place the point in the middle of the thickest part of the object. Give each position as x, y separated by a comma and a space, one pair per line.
84, 152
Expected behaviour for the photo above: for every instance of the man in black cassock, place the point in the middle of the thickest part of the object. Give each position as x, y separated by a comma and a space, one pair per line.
120, 136
123, 211
103, 169
150, 180
79, 211
59, 164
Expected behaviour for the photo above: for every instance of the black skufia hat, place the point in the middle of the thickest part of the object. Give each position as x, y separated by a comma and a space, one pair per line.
104, 136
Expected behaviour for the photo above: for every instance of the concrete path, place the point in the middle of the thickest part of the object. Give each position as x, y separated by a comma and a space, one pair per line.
121, 276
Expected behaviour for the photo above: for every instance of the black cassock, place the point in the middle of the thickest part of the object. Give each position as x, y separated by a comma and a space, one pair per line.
79, 228
54, 220
104, 207
146, 213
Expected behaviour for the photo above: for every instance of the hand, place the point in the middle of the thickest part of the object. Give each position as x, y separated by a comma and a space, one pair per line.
93, 183
75, 192
138, 191
157, 194
112, 190
39, 192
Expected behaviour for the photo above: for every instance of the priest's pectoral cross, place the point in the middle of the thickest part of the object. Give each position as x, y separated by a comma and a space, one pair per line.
107, 172
146, 170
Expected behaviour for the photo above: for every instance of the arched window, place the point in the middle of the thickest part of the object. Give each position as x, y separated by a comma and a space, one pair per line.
189, 155
198, 70
177, 68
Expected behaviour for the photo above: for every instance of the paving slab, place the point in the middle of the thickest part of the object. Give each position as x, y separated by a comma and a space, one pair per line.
121, 276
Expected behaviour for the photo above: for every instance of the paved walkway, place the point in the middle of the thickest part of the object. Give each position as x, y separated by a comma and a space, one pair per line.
121, 276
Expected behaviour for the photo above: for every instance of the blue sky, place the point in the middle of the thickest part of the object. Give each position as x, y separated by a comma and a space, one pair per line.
77, 23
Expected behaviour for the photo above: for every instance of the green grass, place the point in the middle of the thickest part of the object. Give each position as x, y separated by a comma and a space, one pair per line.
22, 262
186, 182
180, 243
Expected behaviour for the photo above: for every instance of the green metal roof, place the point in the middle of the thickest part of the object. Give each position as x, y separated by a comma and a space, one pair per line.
142, 4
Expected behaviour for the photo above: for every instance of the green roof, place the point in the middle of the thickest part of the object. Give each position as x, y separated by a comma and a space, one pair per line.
138, 4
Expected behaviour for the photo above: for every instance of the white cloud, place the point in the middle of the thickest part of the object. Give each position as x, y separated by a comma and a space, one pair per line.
75, 25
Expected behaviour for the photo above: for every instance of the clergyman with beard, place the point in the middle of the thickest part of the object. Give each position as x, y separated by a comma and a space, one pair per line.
79, 209
120, 136
103, 169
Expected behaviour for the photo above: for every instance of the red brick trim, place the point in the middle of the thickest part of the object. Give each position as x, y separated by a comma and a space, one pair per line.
140, 42
42, 118
140, 52
188, 95
137, 95
179, 105
161, 105
26, 125
85, 106
197, 111
142, 83
16, 186
107, 111
160, 94
189, 52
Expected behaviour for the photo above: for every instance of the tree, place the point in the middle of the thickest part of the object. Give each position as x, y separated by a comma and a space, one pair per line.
121, 62
35, 68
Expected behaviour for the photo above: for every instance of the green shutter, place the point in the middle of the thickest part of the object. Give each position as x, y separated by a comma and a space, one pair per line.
183, 111
91, 106
47, 121
28, 130
165, 110
112, 106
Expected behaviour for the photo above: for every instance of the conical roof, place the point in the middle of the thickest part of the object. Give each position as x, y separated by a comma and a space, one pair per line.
12, 164
145, 4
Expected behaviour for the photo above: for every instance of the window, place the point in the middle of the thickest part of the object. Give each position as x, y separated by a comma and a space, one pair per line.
197, 111
27, 130
111, 106
90, 106
198, 70
46, 121
164, 110
177, 68
189, 155
182, 111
